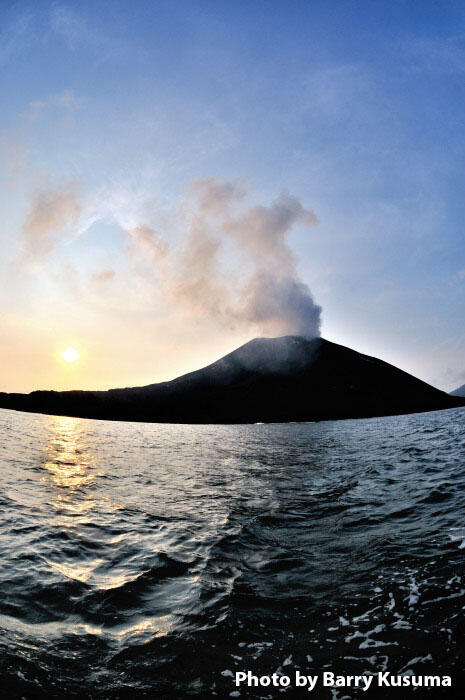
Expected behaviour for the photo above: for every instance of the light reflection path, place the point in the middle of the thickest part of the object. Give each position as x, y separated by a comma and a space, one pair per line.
70, 462
71, 474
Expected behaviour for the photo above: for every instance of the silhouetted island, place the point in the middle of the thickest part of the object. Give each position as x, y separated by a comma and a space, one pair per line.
266, 380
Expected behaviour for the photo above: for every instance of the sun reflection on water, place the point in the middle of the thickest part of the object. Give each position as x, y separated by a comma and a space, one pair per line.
91, 544
71, 472
70, 466
69, 459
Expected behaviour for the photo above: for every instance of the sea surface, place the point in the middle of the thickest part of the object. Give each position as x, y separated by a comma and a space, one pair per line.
155, 561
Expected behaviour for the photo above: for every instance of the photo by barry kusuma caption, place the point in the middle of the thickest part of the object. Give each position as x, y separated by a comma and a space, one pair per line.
328, 679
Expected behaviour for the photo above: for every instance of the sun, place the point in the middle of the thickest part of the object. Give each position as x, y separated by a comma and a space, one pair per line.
70, 355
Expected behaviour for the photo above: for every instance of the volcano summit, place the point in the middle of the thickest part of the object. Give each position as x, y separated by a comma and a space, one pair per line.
267, 379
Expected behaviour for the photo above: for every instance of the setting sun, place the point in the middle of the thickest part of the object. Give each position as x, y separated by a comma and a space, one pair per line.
70, 355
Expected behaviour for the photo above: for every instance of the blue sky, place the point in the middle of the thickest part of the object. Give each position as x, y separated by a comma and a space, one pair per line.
112, 109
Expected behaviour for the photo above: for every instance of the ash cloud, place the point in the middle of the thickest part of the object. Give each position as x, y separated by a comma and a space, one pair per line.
261, 289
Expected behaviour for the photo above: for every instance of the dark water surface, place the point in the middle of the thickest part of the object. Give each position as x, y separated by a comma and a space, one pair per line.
142, 560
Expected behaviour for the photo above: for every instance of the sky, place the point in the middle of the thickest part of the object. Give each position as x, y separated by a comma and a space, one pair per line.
177, 178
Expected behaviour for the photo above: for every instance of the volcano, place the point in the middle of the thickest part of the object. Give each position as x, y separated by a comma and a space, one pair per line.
266, 380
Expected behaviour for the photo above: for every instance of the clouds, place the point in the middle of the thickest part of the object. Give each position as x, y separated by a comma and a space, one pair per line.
14, 37
150, 241
73, 27
52, 213
224, 261
66, 100
103, 276
436, 54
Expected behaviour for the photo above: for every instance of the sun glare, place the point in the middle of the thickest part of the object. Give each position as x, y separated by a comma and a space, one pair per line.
70, 355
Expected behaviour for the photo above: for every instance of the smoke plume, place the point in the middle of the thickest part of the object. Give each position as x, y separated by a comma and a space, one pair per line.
230, 262
233, 262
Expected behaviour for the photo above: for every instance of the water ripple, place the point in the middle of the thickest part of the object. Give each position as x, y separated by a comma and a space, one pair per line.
157, 559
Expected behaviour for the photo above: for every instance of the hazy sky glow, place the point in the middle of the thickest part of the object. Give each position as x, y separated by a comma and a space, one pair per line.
338, 124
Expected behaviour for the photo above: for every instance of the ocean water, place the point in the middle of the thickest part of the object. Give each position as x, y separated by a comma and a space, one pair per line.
143, 560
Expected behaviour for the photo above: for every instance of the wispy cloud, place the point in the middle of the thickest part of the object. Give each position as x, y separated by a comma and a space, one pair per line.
52, 214
103, 276
78, 30
66, 100
150, 241
73, 27
13, 153
435, 54
339, 91
15, 37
